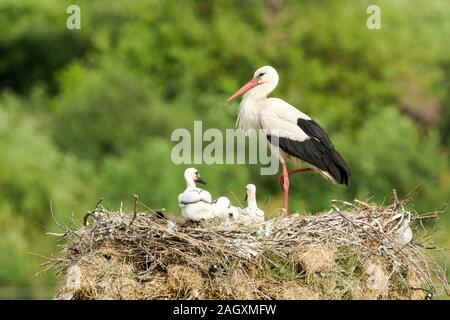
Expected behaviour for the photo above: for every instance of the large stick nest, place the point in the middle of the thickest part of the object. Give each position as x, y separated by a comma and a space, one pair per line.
349, 252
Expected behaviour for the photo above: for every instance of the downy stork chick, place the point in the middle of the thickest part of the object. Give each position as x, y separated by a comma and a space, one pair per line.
251, 213
224, 210
195, 203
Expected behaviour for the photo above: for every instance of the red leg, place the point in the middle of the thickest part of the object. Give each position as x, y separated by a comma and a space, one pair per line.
285, 188
284, 183
299, 170
293, 172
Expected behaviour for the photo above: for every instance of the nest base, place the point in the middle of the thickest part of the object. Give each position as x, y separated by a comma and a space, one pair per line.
350, 252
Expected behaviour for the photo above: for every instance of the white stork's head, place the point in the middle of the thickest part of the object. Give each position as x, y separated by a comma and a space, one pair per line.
264, 81
250, 190
191, 175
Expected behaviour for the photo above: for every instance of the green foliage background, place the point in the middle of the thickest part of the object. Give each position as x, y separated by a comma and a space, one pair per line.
88, 113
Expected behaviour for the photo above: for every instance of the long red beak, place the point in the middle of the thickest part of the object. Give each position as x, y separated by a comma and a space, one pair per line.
249, 85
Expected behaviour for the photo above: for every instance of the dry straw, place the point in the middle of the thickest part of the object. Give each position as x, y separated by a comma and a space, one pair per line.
350, 252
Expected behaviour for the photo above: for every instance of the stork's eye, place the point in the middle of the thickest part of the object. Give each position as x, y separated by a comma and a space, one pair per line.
261, 74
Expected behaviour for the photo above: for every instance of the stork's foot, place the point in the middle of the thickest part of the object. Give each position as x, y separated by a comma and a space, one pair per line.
284, 213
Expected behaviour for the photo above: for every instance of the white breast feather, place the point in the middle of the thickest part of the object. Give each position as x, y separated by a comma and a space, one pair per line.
248, 116
193, 196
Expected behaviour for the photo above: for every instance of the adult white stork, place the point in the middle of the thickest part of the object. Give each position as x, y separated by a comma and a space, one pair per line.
292, 134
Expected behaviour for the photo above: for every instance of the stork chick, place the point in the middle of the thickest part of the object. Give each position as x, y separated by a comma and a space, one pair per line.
225, 211
195, 203
251, 213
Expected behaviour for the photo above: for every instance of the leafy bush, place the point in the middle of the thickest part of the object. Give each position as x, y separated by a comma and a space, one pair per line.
88, 113
33, 175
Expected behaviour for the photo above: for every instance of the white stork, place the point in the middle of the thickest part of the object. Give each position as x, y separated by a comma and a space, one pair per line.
251, 213
292, 134
196, 204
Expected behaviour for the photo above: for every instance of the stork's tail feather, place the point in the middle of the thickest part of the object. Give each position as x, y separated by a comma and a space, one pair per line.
339, 168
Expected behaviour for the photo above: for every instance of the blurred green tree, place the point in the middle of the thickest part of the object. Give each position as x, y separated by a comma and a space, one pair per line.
88, 113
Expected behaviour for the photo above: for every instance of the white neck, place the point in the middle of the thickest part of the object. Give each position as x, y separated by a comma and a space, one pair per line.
248, 117
251, 202
261, 91
190, 184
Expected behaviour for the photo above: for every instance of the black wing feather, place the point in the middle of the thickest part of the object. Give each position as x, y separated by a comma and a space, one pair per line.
313, 129
318, 151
